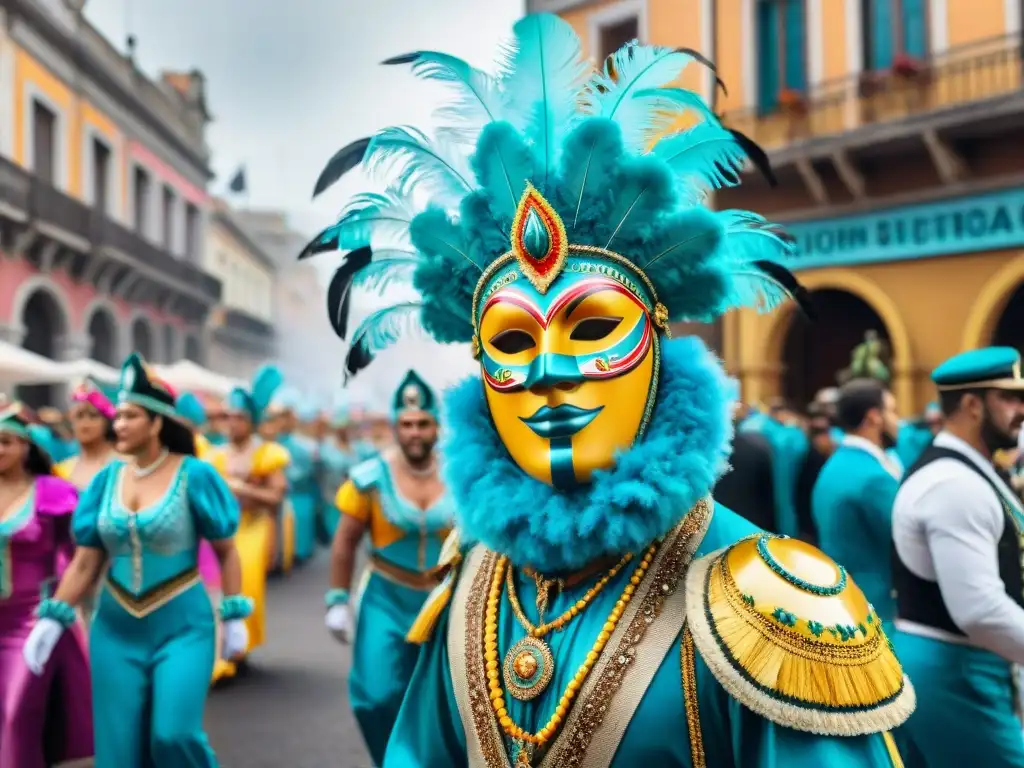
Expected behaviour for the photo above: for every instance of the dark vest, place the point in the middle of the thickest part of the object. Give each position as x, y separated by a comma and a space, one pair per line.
921, 601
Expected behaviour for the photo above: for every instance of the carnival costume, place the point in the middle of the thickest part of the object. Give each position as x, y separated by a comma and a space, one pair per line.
609, 614
405, 545
44, 719
303, 489
336, 462
258, 529
103, 399
958, 535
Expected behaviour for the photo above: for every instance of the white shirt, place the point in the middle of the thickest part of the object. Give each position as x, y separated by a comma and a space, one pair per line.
946, 525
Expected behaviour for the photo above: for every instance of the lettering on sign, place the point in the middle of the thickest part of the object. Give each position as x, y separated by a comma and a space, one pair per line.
968, 225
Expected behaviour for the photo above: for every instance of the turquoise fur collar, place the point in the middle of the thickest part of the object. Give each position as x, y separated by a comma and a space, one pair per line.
650, 488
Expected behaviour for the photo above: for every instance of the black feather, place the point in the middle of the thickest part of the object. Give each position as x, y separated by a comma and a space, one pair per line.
405, 58
757, 156
340, 289
700, 58
344, 160
359, 356
788, 280
325, 240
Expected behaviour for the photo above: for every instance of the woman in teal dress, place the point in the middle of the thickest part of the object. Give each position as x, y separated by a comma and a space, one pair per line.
602, 611
152, 641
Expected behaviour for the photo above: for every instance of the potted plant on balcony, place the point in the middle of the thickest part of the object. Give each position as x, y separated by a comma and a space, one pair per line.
793, 105
911, 75
907, 67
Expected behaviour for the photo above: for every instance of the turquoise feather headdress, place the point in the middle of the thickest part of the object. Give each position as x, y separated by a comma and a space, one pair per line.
255, 401
567, 166
190, 408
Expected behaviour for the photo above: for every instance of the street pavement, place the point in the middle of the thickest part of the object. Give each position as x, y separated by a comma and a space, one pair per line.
290, 709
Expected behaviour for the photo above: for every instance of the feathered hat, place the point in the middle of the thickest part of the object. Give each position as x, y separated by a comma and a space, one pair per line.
254, 402
414, 394
190, 408
547, 166
97, 394
17, 419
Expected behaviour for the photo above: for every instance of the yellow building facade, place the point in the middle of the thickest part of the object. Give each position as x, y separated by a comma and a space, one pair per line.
893, 127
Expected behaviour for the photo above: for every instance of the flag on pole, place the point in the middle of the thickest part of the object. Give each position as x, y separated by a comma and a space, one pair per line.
238, 183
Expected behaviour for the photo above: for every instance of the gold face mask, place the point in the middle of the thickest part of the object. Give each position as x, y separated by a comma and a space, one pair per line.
569, 351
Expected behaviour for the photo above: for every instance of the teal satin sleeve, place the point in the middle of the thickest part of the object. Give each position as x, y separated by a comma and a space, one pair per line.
428, 732
214, 507
879, 497
84, 521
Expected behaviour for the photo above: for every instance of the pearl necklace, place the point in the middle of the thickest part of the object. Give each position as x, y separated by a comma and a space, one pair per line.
141, 472
429, 471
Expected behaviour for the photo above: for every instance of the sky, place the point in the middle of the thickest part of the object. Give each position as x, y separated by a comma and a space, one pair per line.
290, 83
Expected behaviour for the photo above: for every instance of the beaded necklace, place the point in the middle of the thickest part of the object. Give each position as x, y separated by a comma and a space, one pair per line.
526, 744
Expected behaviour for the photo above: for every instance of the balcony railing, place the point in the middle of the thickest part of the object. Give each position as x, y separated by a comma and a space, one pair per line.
41, 202
982, 71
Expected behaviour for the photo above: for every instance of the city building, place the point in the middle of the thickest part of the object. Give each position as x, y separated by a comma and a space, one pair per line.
893, 127
240, 331
308, 351
103, 203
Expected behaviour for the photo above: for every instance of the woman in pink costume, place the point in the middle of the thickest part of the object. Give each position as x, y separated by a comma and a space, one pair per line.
46, 719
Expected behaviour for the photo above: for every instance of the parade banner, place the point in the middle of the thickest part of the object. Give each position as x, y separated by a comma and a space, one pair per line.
988, 222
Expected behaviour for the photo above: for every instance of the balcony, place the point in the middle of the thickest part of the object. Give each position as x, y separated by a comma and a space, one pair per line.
52, 229
239, 330
979, 83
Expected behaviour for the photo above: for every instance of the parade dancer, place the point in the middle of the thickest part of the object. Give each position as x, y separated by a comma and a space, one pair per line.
399, 499
853, 496
609, 613
92, 423
303, 490
337, 457
957, 528
44, 719
254, 471
152, 639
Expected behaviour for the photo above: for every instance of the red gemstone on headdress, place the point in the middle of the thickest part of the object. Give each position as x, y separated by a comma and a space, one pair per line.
539, 239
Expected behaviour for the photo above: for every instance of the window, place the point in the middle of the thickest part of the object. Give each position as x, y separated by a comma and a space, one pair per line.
781, 46
890, 28
168, 217
44, 142
191, 232
618, 34
141, 187
100, 175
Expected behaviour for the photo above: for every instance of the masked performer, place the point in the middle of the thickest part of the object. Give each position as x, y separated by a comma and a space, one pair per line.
254, 470
44, 719
152, 639
609, 614
399, 498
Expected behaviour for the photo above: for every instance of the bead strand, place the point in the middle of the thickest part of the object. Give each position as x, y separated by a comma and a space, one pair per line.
497, 693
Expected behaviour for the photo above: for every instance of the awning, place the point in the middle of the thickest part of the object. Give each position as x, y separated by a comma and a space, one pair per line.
19, 366
76, 370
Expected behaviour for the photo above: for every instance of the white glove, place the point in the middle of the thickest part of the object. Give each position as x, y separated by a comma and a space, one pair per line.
40, 644
234, 640
339, 622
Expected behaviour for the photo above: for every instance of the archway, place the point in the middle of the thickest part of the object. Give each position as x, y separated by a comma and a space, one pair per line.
103, 338
45, 323
193, 351
142, 338
170, 350
992, 303
813, 354
1009, 330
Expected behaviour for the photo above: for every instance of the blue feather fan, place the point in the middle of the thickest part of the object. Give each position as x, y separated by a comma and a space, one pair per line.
603, 147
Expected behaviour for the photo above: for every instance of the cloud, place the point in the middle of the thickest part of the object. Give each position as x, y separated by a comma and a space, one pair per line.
290, 83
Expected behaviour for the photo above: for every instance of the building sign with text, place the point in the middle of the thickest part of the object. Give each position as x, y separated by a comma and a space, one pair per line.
963, 225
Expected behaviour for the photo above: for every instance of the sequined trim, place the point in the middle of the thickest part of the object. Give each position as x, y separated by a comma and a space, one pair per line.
589, 713
894, 752
142, 605
689, 667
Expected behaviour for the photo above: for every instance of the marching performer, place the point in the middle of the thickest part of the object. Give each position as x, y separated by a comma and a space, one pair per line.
399, 499
608, 613
957, 529
254, 471
45, 719
152, 639
337, 457
303, 490
92, 423
853, 496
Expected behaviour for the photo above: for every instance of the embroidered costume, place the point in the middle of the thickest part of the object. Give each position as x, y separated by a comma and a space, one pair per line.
602, 611
152, 643
405, 544
258, 530
958, 529
44, 719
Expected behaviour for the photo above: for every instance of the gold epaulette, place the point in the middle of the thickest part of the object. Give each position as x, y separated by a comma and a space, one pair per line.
790, 636
447, 570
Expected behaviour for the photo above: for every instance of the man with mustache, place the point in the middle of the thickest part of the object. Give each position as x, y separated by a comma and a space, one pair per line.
957, 571
399, 499
853, 495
